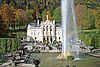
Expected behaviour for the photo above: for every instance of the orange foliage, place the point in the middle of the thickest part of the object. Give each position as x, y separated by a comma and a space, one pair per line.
6, 14
20, 16
81, 14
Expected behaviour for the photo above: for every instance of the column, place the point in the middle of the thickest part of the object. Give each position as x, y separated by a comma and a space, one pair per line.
46, 39
54, 31
42, 33
45, 31
49, 34
48, 30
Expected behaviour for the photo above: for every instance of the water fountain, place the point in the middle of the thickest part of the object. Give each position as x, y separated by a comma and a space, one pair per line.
70, 37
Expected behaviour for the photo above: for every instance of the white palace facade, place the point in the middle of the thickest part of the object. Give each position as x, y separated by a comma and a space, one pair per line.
44, 31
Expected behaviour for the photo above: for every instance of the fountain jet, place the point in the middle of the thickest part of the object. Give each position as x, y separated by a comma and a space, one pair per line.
69, 29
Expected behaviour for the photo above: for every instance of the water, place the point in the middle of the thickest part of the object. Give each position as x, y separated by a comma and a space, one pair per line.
50, 60
69, 28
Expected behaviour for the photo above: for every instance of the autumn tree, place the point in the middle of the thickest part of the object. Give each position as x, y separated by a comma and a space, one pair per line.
37, 10
3, 31
97, 23
21, 17
97, 15
34, 16
81, 14
7, 16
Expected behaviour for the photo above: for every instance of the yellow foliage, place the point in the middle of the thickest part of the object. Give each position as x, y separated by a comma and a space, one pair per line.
20, 15
6, 13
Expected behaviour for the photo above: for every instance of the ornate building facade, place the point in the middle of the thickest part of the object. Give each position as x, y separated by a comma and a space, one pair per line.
44, 31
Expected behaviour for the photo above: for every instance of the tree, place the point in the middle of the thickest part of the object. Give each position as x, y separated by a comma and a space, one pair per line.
21, 17
44, 14
7, 14
34, 16
82, 18
57, 14
53, 2
97, 15
47, 1
97, 23
36, 9
29, 15
3, 32
90, 19
95, 40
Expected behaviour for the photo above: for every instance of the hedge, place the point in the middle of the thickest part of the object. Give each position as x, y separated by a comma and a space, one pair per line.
9, 44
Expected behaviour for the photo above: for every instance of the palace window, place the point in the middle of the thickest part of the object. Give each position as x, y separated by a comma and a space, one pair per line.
50, 28
35, 38
43, 28
59, 38
47, 28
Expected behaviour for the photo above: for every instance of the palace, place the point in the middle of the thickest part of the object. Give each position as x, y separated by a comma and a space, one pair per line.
44, 31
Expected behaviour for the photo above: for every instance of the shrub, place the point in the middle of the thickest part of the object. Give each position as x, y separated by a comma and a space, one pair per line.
33, 47
36, 51
70, 57
50, 48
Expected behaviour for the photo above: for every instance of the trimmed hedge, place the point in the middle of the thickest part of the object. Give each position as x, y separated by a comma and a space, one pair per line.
9, 44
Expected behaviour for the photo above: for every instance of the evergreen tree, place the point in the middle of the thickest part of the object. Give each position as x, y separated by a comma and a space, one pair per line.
57, 14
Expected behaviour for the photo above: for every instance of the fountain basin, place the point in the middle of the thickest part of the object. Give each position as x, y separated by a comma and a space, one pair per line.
50, 60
